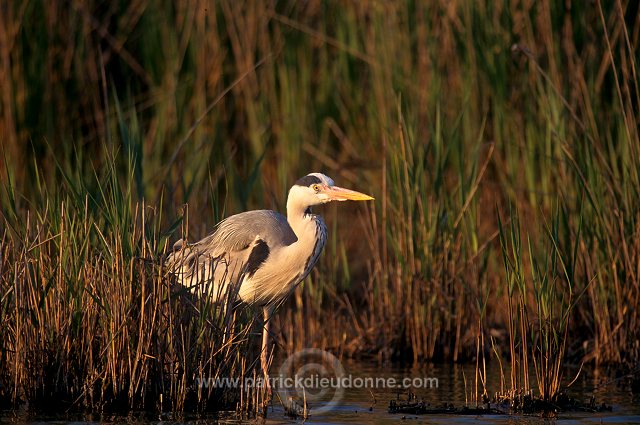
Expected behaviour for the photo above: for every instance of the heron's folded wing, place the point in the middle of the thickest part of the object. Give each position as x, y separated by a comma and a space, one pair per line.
241, 231
234, 240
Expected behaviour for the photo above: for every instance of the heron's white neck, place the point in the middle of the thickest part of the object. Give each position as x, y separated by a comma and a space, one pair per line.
297, 217
311, 233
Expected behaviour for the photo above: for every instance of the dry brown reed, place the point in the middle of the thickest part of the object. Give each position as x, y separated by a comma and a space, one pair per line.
91, 320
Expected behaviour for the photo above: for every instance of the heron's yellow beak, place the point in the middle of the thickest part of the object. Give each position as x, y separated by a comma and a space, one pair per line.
336, 193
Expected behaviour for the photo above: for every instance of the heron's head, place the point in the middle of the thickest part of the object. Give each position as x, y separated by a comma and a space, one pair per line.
316, 188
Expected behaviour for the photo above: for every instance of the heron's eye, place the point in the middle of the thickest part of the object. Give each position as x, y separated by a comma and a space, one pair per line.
316, 188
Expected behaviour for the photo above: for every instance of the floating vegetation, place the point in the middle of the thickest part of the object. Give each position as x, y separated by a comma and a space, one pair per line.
520, 404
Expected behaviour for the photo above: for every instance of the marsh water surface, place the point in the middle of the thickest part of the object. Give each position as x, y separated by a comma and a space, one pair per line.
370, 405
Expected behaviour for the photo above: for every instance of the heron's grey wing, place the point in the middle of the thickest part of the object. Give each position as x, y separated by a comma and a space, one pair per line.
239, 245
237, 232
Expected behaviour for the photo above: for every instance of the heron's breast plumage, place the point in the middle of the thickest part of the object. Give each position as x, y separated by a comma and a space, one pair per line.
286, 266
320, 240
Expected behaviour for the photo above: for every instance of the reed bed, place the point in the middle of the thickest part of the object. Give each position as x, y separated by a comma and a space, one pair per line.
455, 115
539, 322
92, 321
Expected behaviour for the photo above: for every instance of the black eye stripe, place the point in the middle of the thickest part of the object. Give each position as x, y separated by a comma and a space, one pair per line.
308, 181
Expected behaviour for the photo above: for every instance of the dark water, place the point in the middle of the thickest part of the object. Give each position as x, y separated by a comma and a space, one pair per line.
357, 404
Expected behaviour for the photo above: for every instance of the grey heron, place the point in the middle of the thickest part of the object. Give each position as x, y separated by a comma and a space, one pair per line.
261, 256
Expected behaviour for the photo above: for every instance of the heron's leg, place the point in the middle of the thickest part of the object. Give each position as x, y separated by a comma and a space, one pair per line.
264, 354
